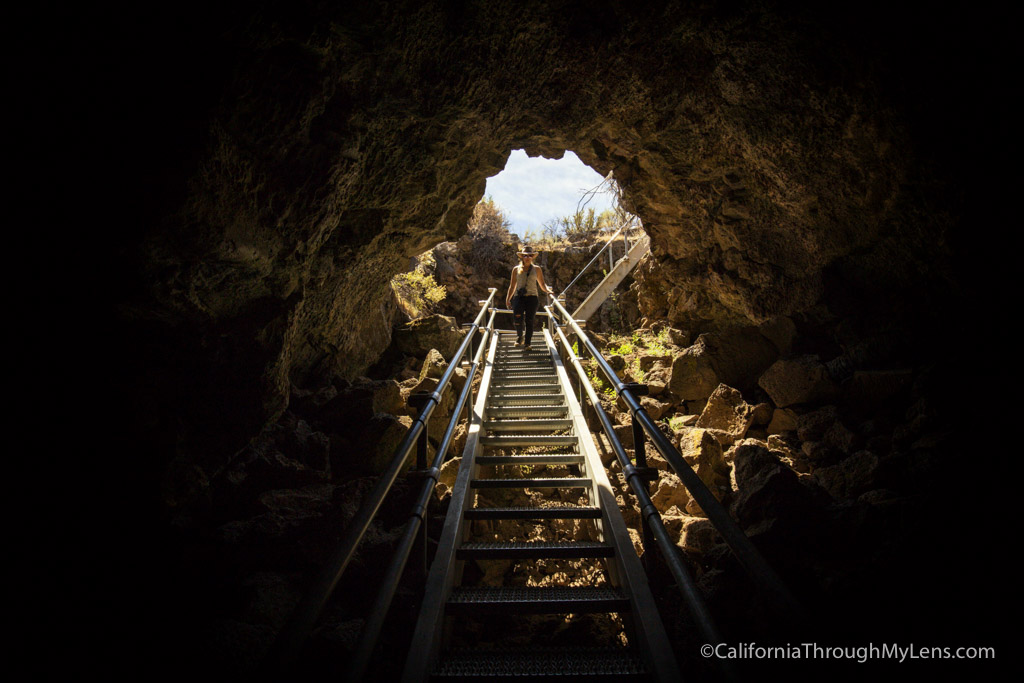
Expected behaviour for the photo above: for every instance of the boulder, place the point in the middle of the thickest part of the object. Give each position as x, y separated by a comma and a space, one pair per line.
434, 365
814, 425
702, 451
459, 380
783, 420
298, 441
446, 479
379, 440
762, 414
696, 407
693, 377
798, 380
698, 535
739, 356
727, 415
851, 477
418, 337
766, 488
668, 490
387, 397
624, 432
841, 438
648, 362
677, 337
704, 455
655, 408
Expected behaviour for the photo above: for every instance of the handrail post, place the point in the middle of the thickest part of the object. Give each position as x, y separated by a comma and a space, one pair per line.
645, 473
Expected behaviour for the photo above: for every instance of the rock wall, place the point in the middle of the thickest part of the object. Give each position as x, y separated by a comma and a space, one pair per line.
284, 162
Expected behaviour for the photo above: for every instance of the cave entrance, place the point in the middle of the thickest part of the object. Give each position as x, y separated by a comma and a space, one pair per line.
542, 197
554, 204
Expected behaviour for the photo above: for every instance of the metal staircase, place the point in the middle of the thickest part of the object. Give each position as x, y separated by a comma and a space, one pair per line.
613, 279
533, 536
526, 420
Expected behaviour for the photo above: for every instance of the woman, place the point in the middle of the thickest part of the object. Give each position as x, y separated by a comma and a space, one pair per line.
527, 283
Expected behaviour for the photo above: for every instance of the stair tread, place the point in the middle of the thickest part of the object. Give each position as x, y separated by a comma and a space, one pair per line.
534, 482
512, 411
529, 439
535, 662
530, 459
531, 545
538, 599
527, 424
526, 512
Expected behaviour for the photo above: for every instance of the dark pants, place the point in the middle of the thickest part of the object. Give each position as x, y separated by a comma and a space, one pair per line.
524, 307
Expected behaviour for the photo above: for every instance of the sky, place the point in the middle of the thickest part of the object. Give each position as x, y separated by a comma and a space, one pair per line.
531, 191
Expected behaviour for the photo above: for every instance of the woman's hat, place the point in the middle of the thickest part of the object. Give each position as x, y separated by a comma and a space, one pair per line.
527, 251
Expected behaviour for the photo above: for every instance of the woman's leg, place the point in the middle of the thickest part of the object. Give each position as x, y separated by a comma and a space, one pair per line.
530, 313
518, 311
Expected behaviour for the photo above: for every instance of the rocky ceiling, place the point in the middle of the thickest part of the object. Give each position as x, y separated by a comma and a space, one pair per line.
278, 165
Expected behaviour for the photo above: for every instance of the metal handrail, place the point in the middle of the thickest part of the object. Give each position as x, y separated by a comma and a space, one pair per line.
385, 594
636, 480
596, 256
292, 637
652, 523
745, 552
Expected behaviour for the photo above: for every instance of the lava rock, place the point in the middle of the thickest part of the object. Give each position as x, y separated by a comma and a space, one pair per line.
798, 380
727, 415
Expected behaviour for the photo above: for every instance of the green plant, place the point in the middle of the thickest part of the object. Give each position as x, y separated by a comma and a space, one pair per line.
417, 293
675, 423
624, 349
599, 383
638, 374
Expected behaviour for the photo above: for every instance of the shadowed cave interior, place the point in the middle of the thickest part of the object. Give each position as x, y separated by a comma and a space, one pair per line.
829, 167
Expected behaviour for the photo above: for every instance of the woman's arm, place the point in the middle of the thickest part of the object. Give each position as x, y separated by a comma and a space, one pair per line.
540, 281
511, 288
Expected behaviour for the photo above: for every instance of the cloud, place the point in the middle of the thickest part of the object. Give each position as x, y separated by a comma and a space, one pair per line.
534, 190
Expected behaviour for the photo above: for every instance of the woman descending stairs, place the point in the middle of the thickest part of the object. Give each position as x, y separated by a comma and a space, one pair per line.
535, 573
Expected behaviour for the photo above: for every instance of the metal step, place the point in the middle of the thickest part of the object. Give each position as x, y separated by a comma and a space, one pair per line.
503, 440
524, 382
507, 362
561, 664
516, 364
561, 512
528, 483
532, 459
527, 411
526, 400
527, 390
527, 424
523, 374
537, 600
533, 550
